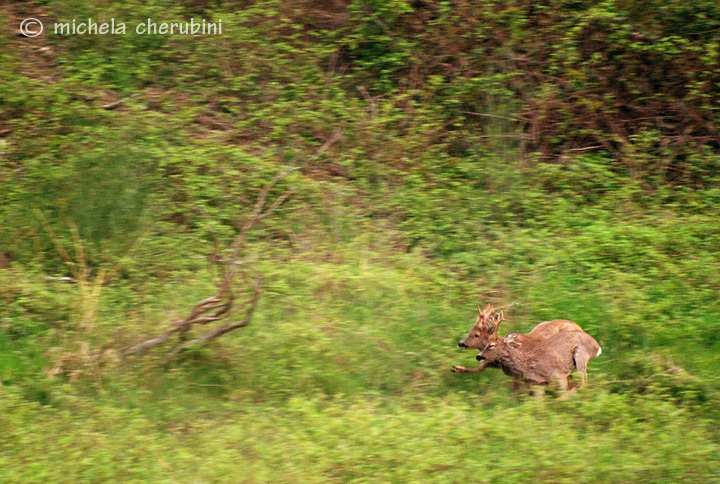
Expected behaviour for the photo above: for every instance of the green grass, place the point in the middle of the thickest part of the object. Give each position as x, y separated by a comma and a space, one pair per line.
344, 377
596, 437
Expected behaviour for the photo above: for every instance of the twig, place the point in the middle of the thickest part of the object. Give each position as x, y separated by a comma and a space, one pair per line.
58, 246
259, 211
337, 135
117, 103
69, 280
486, 115
382, 25
586, 148
515, 136
372, 102
151, 342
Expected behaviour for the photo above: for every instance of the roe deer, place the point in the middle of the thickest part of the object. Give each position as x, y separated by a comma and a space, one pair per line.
486, 327
549, 361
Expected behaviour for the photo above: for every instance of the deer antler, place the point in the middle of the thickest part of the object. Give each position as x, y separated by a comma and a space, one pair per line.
497, 318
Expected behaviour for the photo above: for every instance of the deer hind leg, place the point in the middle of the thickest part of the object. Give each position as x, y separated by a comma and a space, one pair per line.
562, 382
581, 360
564, 386
539, 392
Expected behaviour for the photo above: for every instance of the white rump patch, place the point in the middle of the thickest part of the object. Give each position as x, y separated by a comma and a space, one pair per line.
598, 353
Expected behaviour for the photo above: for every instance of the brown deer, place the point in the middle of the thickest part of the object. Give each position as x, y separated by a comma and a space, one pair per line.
550, 361
486, 327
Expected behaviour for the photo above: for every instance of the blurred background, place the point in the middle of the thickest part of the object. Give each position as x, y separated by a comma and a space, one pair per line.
355, 178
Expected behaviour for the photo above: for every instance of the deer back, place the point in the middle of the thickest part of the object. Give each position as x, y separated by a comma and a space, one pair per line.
546, 330
488, 320
557, 354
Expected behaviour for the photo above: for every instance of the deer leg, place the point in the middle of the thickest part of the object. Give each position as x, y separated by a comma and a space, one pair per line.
565, 387
462, 369
539, 392
581, 361
572, 386
562, 382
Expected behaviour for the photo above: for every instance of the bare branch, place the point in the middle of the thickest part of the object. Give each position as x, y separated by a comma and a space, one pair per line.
69, 280
119, 265
586, 148
337, 135
222, 305
486, 115
277, 203
150, 343
58, 246
117, 103
250, 310
259, 212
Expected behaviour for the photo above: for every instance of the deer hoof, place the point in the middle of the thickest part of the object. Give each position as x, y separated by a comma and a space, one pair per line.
457, 369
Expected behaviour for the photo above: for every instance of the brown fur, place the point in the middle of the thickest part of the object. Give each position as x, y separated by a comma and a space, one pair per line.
483, 330
546, 362
486, 327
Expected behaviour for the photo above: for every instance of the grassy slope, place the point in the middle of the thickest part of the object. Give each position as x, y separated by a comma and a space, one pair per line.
372, 272
361, 439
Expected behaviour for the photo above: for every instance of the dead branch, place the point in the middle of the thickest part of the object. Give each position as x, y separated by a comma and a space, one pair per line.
250, 306
152, 342
223, 304
69, 280
496, 116
117, 103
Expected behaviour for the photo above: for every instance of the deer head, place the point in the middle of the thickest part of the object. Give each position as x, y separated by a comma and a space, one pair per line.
485, 328
498, 348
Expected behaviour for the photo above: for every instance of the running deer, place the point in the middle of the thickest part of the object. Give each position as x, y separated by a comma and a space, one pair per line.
486, 327
550, 361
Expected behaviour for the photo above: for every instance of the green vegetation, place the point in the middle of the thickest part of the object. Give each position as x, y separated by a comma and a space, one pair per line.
558, 158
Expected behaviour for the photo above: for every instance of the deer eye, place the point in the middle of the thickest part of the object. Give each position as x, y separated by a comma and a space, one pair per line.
491, 345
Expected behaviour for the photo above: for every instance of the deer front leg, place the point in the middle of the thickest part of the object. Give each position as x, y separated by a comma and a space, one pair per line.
462, 369
517, 384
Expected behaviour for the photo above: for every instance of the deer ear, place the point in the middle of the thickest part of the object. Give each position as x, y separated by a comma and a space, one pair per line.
510, 338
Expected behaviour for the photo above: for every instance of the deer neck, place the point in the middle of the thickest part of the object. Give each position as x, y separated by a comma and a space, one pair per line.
515, 358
